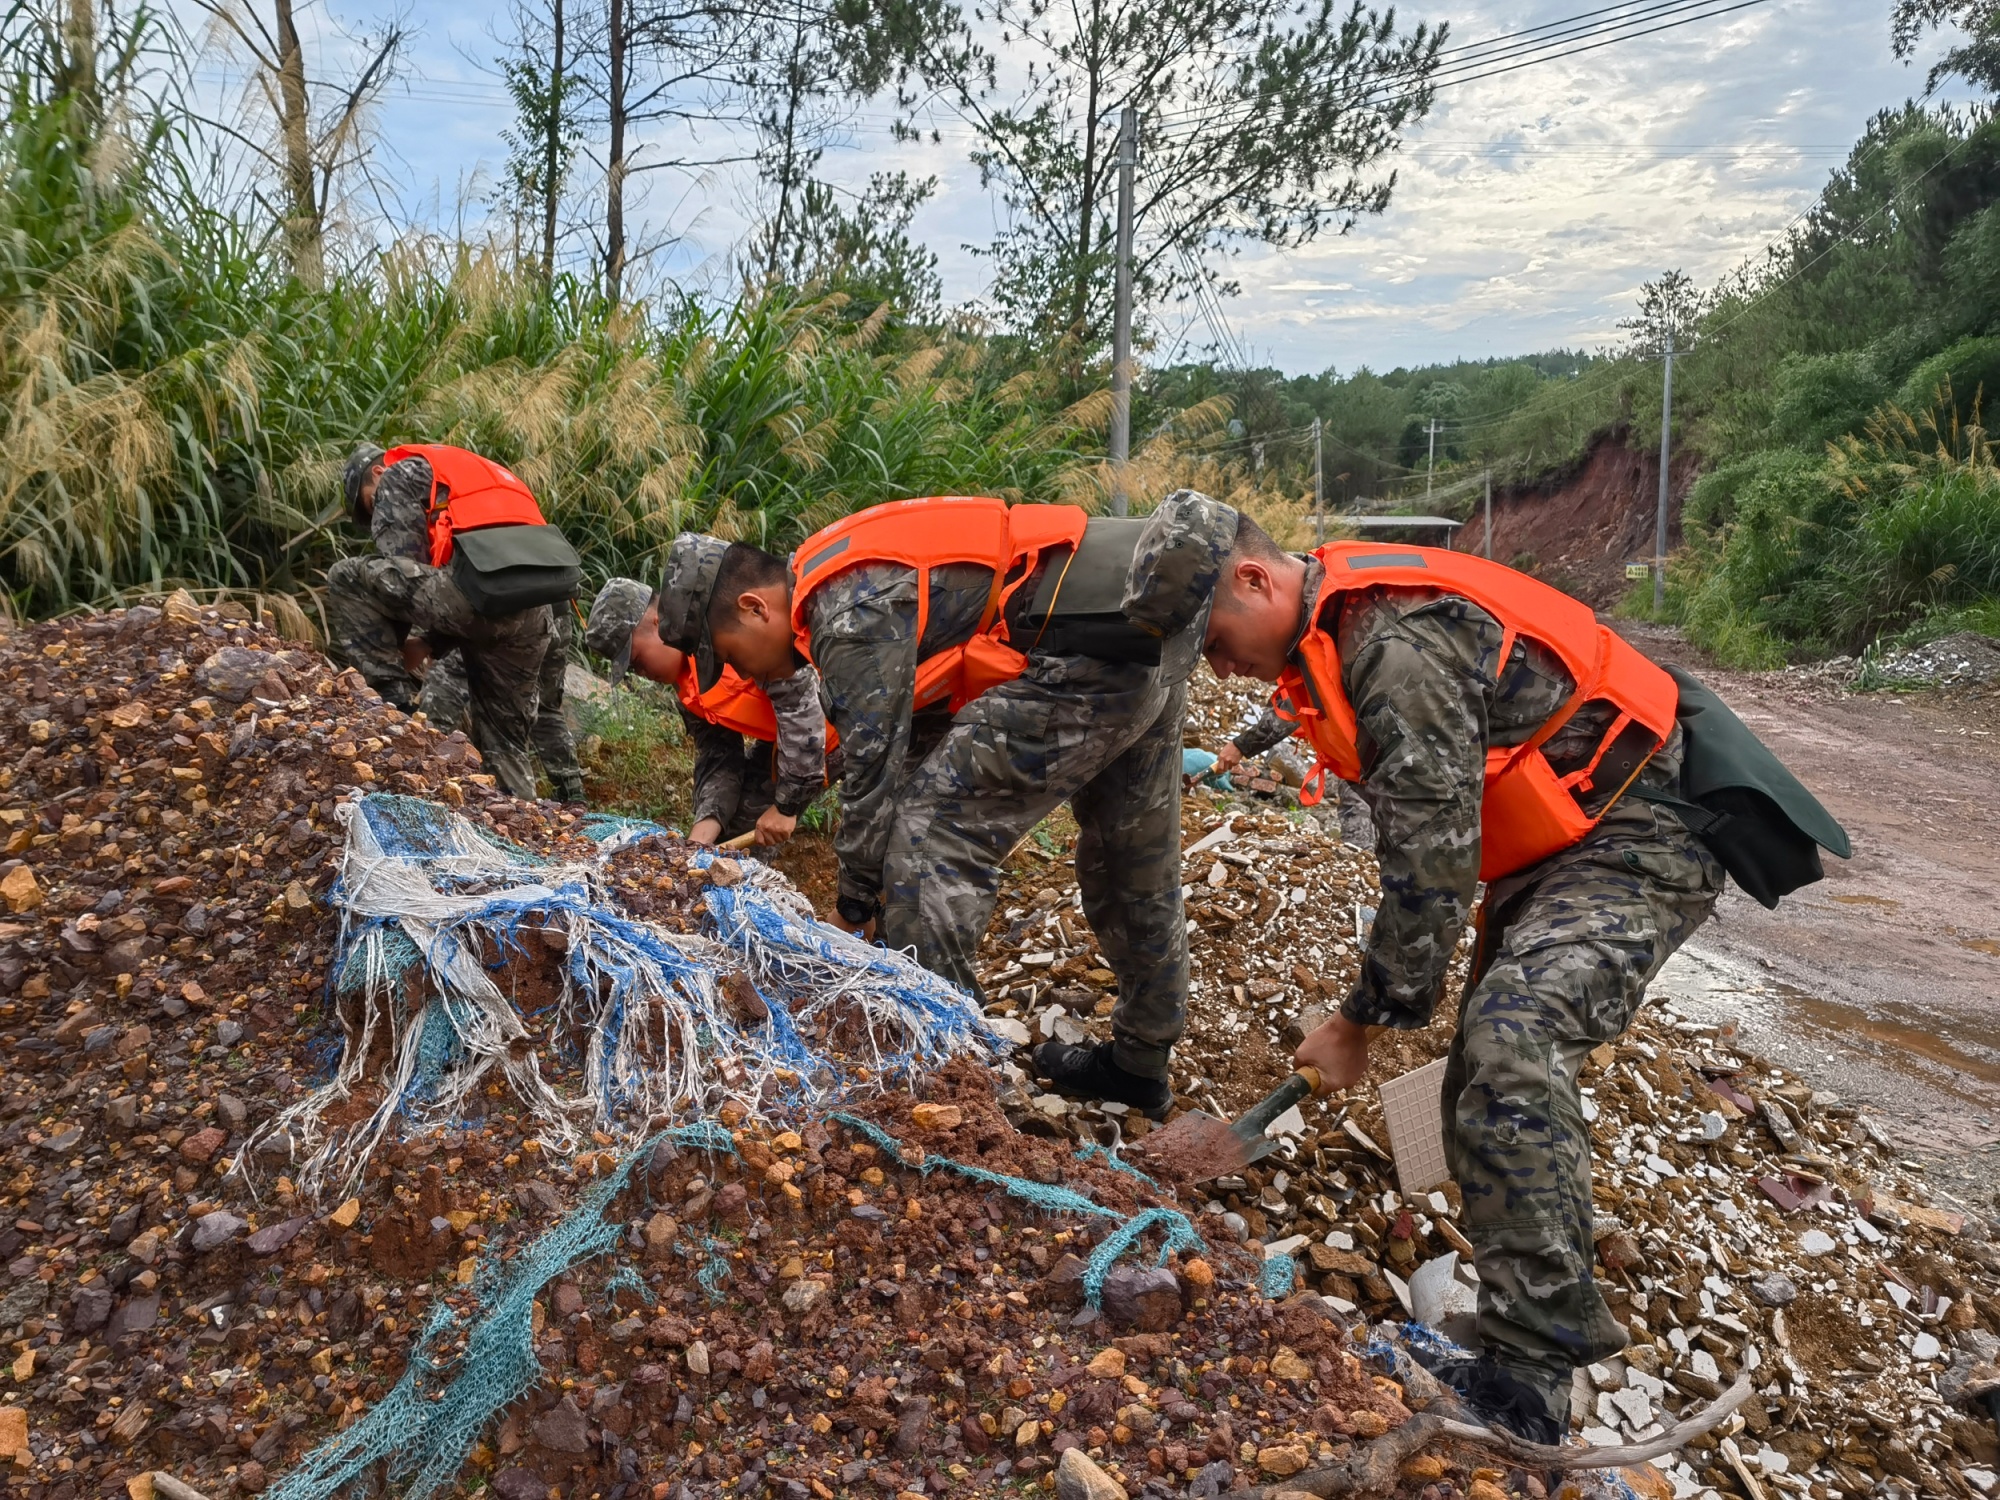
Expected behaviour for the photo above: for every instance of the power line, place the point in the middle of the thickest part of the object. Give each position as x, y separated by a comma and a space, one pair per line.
1396, 91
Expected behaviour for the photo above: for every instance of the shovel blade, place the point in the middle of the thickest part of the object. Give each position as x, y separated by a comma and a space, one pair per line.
1196, 1147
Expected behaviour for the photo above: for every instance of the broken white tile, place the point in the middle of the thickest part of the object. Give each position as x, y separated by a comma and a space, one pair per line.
1290, 1123
1817, 1242
1925, 1347
1634, 1406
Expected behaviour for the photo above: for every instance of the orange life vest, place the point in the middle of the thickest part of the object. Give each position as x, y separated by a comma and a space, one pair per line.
467, 492
1528, 811
930, 533
734, 702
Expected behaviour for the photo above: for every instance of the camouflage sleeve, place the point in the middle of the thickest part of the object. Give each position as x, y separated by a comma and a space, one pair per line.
864, 644
1413, 671
801, 739
401, 527
1267, 733
718, 769
1178, 562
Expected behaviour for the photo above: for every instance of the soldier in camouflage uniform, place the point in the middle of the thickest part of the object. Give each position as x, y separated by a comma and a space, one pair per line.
447, 696
388, 613
735, 790
1566, 948
931, 804
1266, 733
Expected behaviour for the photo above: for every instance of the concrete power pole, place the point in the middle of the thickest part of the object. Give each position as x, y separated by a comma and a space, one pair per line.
1430, 463
1666, 450
1489, 513
1118, 446
1319, 488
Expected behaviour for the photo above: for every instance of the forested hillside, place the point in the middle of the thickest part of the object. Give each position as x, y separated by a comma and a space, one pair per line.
1834, 394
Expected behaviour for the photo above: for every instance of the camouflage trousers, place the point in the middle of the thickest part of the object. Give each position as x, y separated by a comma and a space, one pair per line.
1566, 952
373, 602
447, 697
1104, 737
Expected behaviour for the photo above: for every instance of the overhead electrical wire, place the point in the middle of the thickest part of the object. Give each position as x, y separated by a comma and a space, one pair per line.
1495, 64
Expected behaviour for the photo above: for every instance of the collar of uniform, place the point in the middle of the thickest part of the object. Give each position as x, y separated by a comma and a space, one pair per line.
1308, 601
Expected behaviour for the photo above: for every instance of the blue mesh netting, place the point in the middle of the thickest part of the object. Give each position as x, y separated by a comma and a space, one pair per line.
1091, 1151
1281, 1272
640, 1023
1178, 1233
714, 1270
424, 1428
625, 1279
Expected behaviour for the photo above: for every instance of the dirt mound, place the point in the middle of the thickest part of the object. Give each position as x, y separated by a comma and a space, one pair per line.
1579, 528
796, 1311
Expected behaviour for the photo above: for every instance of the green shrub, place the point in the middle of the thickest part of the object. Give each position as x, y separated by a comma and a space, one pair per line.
1969, 370
1818, 397
637, 760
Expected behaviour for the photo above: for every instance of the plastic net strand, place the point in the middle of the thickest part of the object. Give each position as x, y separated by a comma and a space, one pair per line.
1177, 1234
454, 1386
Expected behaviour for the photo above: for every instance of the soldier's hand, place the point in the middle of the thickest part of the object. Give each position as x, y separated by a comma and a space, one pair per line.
416, 654
1339, 1049
866, 931
707, 831
1228, 758
775, 827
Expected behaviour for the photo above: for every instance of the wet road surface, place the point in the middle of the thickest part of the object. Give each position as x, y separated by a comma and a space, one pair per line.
1881, 983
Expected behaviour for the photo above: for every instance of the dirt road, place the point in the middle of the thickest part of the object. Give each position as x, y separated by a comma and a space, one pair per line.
1881, 984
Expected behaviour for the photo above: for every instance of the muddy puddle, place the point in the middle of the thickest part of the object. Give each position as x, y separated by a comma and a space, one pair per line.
1932, 1080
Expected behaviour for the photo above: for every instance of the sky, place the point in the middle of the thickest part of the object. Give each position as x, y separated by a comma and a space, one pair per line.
1528, 209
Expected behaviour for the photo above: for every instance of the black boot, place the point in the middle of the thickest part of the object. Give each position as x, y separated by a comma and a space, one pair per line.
1497, 1396
1085, 1072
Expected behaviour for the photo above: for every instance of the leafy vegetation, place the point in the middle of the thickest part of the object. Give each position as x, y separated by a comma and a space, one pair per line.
177, 403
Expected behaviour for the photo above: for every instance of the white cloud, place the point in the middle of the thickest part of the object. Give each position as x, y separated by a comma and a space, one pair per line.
1528, 209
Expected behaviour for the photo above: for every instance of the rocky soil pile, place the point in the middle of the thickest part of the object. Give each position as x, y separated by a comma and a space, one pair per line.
795, 1311
813, 1307
1744, 1222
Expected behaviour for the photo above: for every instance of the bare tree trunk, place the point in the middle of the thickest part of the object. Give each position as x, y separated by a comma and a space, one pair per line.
305, 230
553, 173
775, 251
1080, 293
614, 207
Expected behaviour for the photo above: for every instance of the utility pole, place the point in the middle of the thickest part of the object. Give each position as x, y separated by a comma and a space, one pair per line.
1430, 463
1319, 489
1489, 514
1666, 449
1118, 446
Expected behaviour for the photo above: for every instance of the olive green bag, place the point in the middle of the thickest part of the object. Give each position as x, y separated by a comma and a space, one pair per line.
503, 570
1737, 797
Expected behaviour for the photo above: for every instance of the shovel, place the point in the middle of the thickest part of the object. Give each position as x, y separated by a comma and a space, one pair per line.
1197, 1146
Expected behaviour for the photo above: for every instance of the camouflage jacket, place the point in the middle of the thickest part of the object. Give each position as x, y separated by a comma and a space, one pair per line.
1422, 670
401, 524
800, 763
1267, 733
862, 625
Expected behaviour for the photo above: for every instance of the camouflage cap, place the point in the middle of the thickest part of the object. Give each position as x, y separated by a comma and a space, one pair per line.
614, 614
1178, 562
354, 474
692, 563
